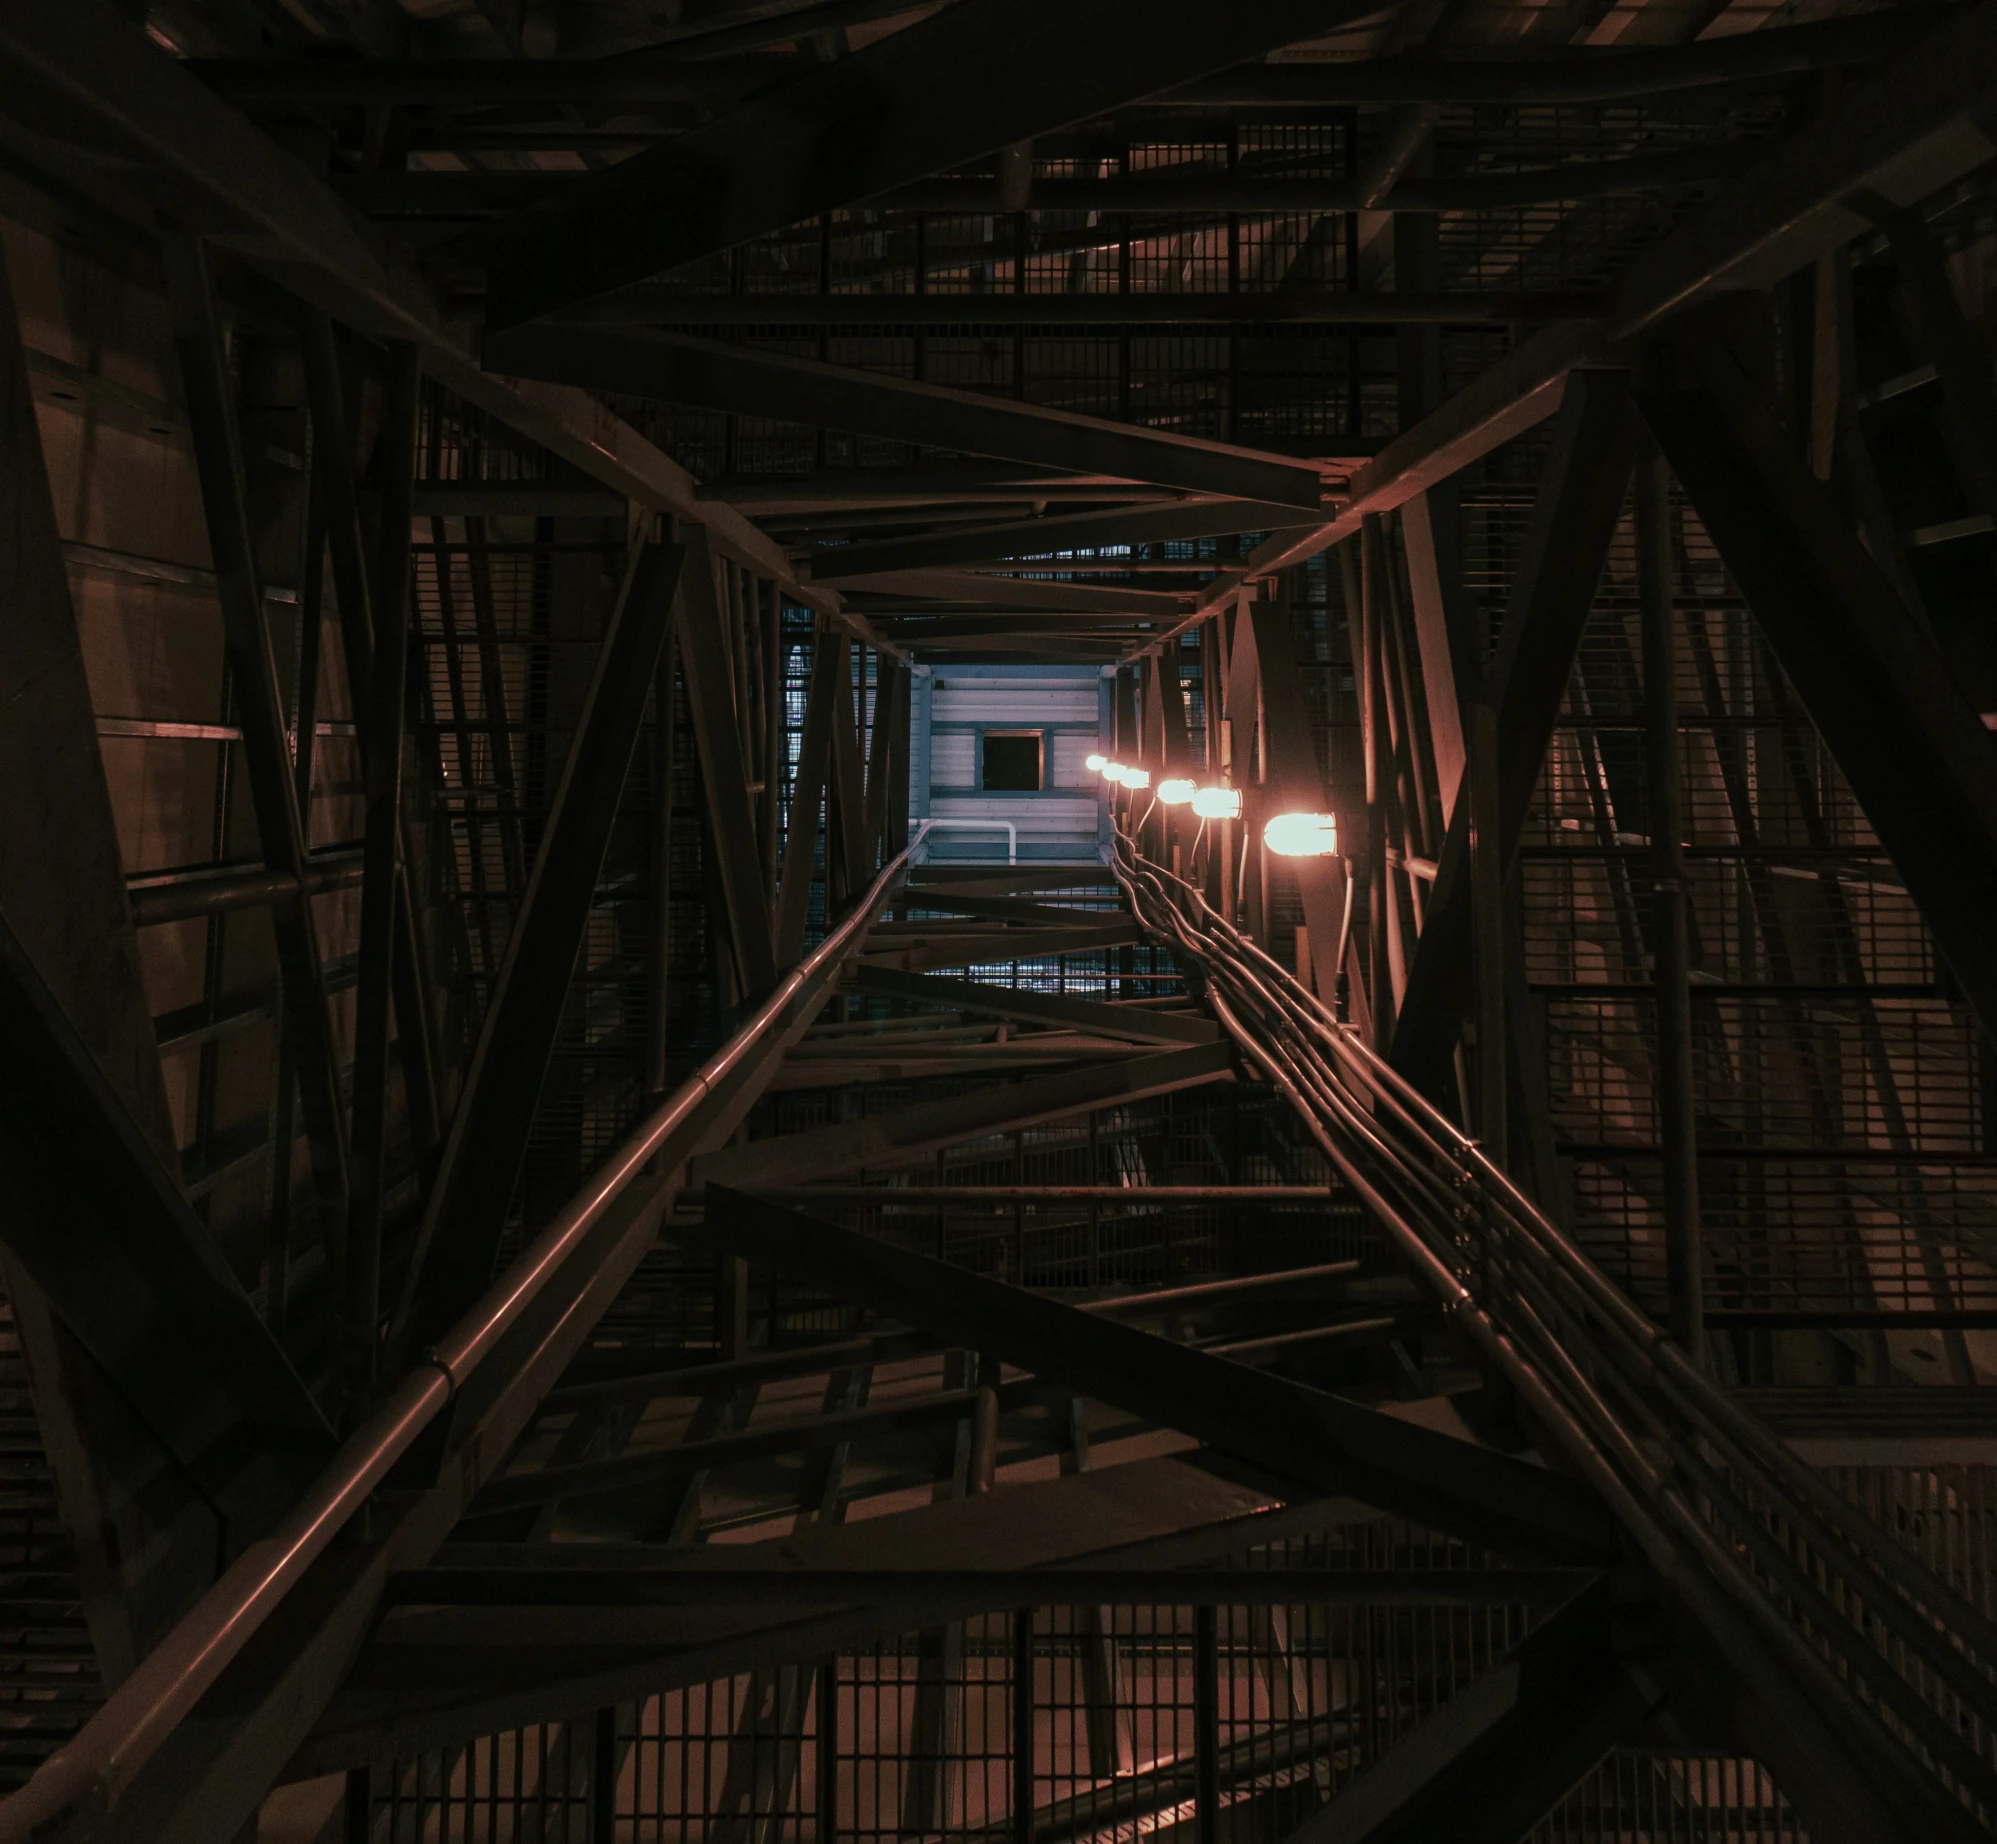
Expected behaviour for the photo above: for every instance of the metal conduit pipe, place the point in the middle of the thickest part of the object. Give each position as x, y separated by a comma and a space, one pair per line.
88, 1775
183, 896
1849, 1685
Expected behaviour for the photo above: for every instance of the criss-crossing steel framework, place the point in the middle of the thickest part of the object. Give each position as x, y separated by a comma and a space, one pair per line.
576, 1272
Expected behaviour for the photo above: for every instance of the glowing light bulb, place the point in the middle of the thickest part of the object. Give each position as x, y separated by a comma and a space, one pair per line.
1302, 835
1095, 764
1176, 790
1217, 803
1114, 772
1135, 778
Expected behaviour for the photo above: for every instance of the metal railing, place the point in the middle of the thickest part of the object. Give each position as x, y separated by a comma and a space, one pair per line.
1828, 1616
85, 1780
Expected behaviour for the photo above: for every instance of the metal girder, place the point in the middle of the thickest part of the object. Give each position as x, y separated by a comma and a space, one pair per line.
1487, 1766
927, 1593
657, 1466
98, 1224
308, 1023
706, 374
1296, 1432
382, 890
452, 1263
947, 948
1005, 879
659, 306
1969, 398
1567, 542
1140, 1024
100, 1251
1917, 755
1908, 129
956, 592
483, 82
1920, 121
980, 75
888, 754
1444, 634
914, 630
1150, 1513
724, 769
1210, 188
992, 909
57, 821
941, 480
1560, 76
808, 796
908, 1133
846, 802
1043, 537
184, 1752
133, 125
1271, 688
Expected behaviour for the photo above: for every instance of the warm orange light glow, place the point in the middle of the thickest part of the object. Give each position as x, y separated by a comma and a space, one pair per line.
1302, 835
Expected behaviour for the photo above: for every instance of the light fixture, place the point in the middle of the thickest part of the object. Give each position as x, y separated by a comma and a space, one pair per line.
1135, 778
1176, 790
1095, 764
1217, 802
1302, 835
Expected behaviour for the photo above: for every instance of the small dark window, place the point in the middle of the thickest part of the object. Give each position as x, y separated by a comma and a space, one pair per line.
1012, 761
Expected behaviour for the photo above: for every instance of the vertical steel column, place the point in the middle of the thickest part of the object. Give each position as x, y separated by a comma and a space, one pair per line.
384, 737
1373, 737
1487, 898
828, 1750
266, 746
304, 728
333, 465
1670, 946
603, 1780
769, 602
1206, 1724
665, 721
1022, 1726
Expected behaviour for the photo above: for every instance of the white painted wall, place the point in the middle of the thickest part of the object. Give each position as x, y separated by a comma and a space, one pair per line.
1063, 820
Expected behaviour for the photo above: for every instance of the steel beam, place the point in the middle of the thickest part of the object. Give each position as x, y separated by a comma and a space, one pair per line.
1487, 1766
1175, 210
808, 795
1567, 542
452, 1262
707, 374
1559, 76
1918, 122
101, 1228
980, 75
897, 1138
1044, 537
962, 591
308, 1023
888, 755
144, 1539
382, 888
1297, 1433
705, 650
1137, 1023
1916, 754
137, 127
1150, 1513
683, 70
945, 947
